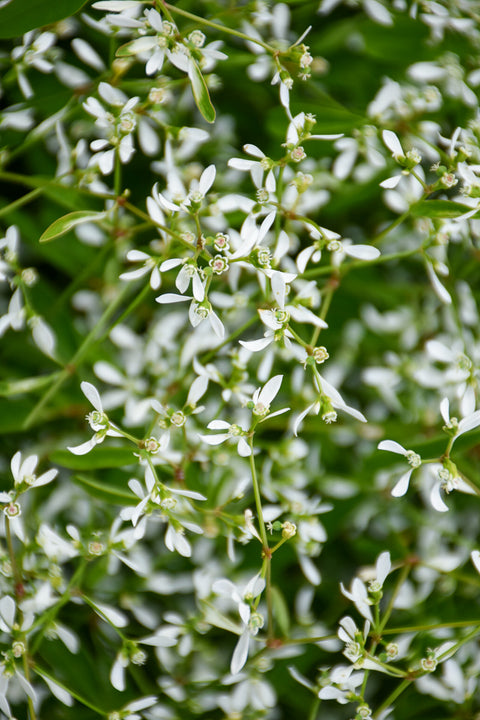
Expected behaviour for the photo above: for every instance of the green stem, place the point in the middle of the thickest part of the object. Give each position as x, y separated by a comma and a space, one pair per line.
43, 673
386, 616
221, 28
26, 670
429, 628
314, 709
71, 366
393, 696
258, 501
325, 307
212, 353
48, 617
28, 197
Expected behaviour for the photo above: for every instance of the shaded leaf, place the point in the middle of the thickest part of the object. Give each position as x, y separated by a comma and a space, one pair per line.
26, 385
200, 92
18, 17
108, 492
68, 222
99, 457
439, 209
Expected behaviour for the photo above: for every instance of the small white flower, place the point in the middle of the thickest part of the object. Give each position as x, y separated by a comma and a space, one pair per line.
414, 461
98, 421
23, 471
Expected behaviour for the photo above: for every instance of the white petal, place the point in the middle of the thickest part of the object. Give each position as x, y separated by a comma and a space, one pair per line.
304, 315
392, 446
437, 500
383, 566
218, 425
84, 448
256, 345
59, 692
169, 264
468, 423
391, 182
86, 53
198, 288
207, 179
303, 257
171, 298
362, 252
402, 485
441, 292
116, 617
240, 654
270, 390
445, 410
216, 324
7, 610
215, 439
15, 465
475, 555
438, 351
117, 675
392, 142
243, 448
253, 150
92, 395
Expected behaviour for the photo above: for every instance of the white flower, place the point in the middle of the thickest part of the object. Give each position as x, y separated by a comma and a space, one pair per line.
359, 596
23, 471
329, 398
229, 431
470, 422
413, 458
98, 421
252, 621
149, 266
118, 126
189, 272
197, 313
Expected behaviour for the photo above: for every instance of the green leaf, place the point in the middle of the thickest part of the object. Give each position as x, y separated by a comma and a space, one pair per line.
26, 385
200, 92
439, 209
98, 458
68, 222
105, 491
18, 16
280, 611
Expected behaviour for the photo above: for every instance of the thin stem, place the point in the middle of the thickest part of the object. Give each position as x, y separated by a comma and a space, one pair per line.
43, 673
46, 619
28, 197
356, 264
258, 501
428, 628
221, 28
26, 670
71, 366
393, 696
386, 616
314, 709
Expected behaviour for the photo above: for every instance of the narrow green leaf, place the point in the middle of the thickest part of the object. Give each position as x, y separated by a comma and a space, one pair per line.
200, 92
100, 457
18, 17
26, 385
439, 209
104, 491
68, 222
280, 611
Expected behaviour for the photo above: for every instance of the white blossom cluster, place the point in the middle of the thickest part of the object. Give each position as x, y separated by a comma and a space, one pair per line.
240, 345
